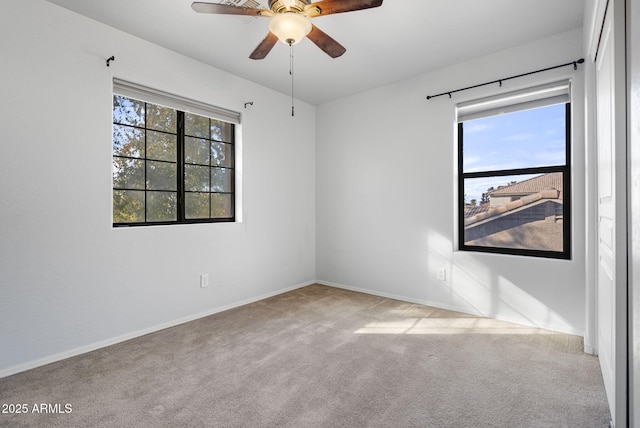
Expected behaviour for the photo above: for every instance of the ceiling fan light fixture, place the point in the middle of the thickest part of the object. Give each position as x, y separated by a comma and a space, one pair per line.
290, 27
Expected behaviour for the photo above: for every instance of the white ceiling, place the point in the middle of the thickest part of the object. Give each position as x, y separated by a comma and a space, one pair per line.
400, 39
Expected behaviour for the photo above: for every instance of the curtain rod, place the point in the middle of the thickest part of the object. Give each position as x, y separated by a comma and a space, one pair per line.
574, 63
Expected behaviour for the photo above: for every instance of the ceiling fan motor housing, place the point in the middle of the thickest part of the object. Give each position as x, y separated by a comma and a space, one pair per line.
280, 6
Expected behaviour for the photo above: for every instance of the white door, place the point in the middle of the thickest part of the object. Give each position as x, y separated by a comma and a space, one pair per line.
611, 252
633, 117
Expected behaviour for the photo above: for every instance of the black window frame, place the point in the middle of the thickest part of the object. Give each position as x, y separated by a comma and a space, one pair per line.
565, 169
181, 162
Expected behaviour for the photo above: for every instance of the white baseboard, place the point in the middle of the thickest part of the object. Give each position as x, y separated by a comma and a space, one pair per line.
398, 297
122, 338
439, 305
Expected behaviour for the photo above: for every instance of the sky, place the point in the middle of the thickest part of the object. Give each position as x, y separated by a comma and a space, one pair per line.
524, 139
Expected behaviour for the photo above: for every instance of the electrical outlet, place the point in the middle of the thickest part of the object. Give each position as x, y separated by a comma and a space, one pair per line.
441, 274
204, 280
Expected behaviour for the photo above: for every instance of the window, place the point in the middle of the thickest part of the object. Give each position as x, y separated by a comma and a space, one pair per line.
173, 161
513, 173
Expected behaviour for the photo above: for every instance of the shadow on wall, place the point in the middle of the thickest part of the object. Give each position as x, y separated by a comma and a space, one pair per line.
473, 286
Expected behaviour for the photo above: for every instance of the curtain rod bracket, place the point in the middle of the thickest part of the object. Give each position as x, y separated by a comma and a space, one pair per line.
111, 58
248, 103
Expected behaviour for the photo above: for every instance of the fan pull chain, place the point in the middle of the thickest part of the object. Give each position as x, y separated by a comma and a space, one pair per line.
291, 73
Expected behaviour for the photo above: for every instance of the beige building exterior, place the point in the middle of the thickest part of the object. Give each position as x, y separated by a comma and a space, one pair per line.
524, 215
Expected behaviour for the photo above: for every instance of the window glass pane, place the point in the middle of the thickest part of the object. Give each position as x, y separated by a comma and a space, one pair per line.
221, 154
161, 176
161, 146
221, 180
196, 126
128, 173
197, 205
128, 141
221, 131
221, 206
520, 211
161, 118
128, 111
196, 150
128, 206
196, 178
161, 206
524, 139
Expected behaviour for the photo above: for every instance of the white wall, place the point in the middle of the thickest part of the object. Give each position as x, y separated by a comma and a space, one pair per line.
386, 191
69, 281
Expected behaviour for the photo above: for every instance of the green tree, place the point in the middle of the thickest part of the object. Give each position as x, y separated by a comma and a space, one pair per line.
486, 197
144, 149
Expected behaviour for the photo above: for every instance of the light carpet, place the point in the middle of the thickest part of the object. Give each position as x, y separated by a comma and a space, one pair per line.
322, 357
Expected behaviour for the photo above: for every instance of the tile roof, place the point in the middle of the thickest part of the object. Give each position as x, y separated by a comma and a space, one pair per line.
533, 185
471, 210
513, 205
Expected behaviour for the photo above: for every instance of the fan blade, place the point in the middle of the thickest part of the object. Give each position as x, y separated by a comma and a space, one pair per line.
325, 42
225, 9
264, 47
328, 7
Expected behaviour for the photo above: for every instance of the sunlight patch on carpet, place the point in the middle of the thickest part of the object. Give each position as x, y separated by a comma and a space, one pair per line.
448, 326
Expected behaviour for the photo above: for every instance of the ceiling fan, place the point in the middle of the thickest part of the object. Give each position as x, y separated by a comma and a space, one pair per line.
290, 21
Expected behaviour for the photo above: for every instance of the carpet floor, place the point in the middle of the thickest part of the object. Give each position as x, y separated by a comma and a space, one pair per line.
320, 357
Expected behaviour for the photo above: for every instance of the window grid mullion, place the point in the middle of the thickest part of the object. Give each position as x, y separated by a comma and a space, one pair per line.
517, 171
210, 145
146, 148
180, 173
